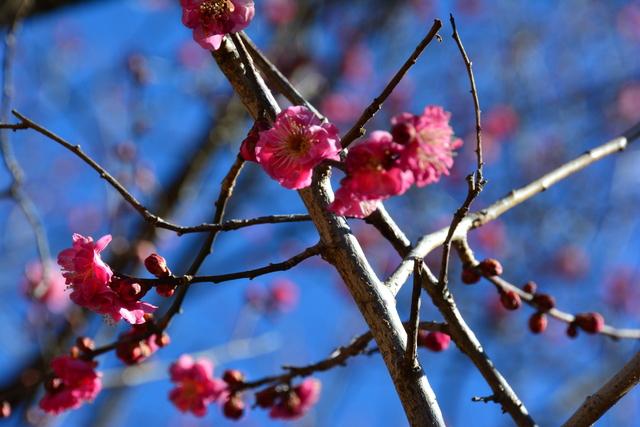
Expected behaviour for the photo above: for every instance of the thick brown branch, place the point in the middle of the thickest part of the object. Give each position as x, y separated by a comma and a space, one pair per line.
358, 129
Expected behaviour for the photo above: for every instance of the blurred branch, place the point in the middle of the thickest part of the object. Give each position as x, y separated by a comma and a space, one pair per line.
433, 240
596, 405
9, 8
16, 188
358, 129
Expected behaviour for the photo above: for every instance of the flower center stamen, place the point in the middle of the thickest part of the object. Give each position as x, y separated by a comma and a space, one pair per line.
216, 8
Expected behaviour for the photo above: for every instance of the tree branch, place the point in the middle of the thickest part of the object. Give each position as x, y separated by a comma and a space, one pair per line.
596, 405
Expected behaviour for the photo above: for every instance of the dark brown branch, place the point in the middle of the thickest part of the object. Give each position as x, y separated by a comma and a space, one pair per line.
358, 129
596, 405
475, 181
248, 274
338, 358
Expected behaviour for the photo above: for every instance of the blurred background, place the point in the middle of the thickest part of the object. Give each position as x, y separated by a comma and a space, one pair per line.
126, 81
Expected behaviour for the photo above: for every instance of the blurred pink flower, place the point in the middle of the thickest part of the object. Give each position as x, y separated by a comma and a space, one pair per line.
340, 107
298, 402
75, 382
429, 143
51, 291
629, 102
501, 121
195, 386
629, 21
211, 20
434, 341
297, 142
283, 295
280, 12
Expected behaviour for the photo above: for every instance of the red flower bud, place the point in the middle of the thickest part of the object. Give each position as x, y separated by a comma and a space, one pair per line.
538, 323
163, 340
572, 330
165, 290
157, 266
591, 323
233, 408
544, 302
434, 341
490, 267
233, 377
530, 287
267, 398
510, 300
470, 275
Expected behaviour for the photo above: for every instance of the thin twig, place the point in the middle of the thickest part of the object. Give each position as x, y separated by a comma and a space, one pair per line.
475, 181
358, 129
338, 358
248, 274
596, 405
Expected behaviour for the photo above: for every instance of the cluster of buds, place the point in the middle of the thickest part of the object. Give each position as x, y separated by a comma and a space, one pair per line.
233, 407
471, 274
543, 303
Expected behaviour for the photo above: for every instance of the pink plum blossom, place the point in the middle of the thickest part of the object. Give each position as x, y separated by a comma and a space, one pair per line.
297, 403
195, 386
82, 262
429, 143
48, 290
90, 279
347, 204
297, 142
211, 20
75, 382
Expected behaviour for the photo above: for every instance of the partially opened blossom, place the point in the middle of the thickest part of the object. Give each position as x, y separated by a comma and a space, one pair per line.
46, 287
297, 142
429, 143
195, 386
373, 168
137, 344
75, 381
82, 262
298, 401
90, 280
211, 20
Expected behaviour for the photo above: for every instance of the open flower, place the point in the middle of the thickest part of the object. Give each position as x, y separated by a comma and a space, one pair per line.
211, 20
195, 386
82, 262
297, 142
348, 204
47, 290
75, 381
429, 143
